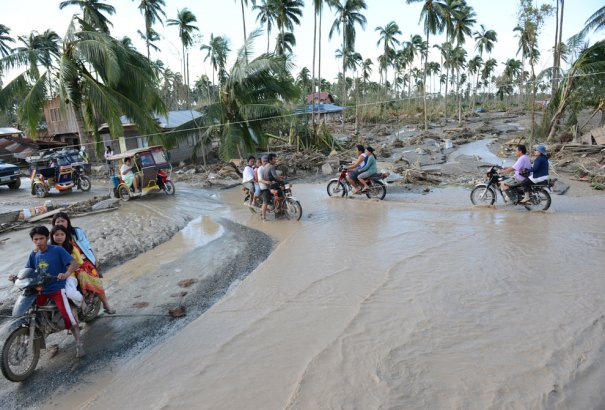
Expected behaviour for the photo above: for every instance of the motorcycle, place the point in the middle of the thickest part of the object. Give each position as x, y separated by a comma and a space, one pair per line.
25, 335
486, 193
283, 202
377, 187
80, 179
165, 183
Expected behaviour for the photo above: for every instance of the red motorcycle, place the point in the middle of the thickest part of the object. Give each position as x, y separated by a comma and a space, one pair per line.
377, 186
165, 183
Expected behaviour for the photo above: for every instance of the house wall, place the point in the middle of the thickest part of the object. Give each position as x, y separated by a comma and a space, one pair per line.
131, 140
60, 121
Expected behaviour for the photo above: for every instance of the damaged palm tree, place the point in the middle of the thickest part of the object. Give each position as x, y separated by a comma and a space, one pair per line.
591, 62
253, 93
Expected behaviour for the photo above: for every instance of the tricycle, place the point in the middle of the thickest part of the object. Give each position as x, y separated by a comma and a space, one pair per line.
50, 172
150, 166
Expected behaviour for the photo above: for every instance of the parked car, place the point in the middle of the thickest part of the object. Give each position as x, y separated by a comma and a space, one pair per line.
10, 175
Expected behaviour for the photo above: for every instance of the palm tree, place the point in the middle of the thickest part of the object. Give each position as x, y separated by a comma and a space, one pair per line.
432, 12
120, 81
388, 39
266, 15
5, 38
217, 50
348, 14
488, 68
474, 68
152, 12
303, 81
253, 94
245, 2
92, 12
484, 40
463, 20
366, 70
284, 43
560, 5
184, 21
595, 22
287, 13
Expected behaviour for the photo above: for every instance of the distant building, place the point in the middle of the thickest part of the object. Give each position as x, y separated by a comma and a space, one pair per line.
132, 138
61, 122
322, 97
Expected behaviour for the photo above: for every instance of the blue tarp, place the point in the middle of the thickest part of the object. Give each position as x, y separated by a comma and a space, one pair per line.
323, 109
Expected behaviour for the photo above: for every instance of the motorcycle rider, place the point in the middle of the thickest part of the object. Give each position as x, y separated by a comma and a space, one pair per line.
55, 261
271, 173
538, 171
264, 184
522, 164
359, 163
248, 177
368, 169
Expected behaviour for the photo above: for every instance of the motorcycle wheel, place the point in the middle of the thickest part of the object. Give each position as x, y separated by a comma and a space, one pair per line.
17, 362
124, 193
40, 190
293, 209
169, 188
378, 190
539, 200
93, 306
84, 184
482, 195
336, 188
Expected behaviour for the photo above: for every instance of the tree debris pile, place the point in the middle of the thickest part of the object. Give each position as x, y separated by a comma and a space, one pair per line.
586, 161
413, 174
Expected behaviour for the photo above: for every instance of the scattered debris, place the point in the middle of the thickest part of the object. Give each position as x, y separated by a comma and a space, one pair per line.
185, 283
140, 305
177, 312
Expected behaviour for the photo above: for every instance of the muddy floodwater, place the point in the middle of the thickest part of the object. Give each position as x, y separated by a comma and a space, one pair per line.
418, 301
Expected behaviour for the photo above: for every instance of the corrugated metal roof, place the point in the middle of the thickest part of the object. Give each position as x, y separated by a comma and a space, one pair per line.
10, 131
323, 109
170, 121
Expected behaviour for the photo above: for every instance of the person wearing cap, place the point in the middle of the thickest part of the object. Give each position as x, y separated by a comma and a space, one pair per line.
369, 169
538, 171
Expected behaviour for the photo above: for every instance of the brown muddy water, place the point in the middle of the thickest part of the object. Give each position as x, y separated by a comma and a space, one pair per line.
418, 301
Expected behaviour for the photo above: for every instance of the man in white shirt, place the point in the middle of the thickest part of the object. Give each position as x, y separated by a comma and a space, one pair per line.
264, 183
248, 179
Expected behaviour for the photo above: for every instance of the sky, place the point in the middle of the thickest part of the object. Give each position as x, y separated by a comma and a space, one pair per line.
223, 17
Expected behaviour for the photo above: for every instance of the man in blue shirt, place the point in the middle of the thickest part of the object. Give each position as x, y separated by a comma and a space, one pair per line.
54, 261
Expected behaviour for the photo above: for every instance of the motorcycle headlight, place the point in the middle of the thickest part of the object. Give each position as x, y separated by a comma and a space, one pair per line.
17, 172
287, 186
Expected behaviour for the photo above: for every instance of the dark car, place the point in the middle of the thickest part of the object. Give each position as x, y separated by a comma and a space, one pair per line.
10, 175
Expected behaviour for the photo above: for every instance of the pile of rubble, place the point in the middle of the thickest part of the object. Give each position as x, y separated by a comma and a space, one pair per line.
586, 161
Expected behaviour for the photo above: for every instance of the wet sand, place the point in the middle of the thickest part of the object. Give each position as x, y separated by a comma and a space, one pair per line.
419, 301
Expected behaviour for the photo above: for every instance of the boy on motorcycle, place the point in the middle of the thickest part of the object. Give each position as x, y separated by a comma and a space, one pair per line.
54, 261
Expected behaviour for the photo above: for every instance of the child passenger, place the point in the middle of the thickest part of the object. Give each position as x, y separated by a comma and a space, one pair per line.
60, 236
54, 261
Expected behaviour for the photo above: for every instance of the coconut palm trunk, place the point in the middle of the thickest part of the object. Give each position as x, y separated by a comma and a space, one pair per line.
426, 62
